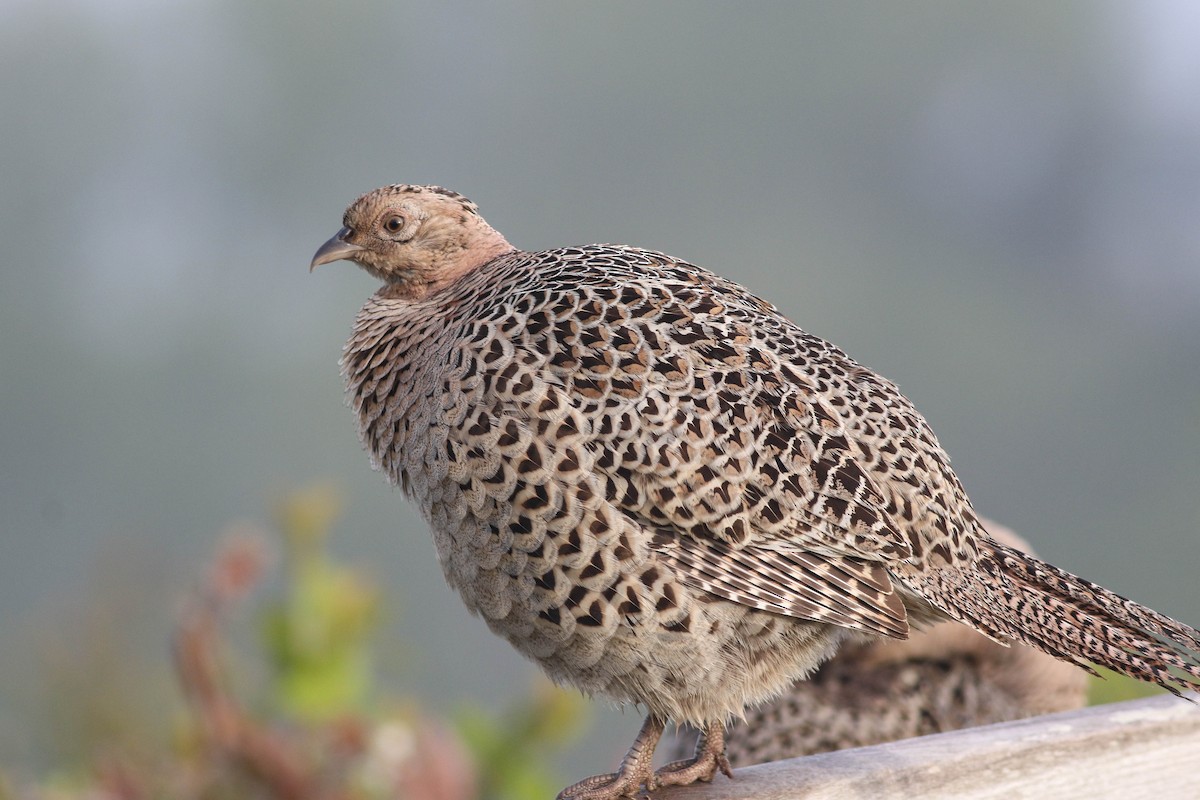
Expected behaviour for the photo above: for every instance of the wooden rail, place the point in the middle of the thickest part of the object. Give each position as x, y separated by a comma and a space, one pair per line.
1139, 749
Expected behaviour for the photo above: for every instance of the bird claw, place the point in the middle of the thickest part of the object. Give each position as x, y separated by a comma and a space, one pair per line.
703, 766
612, 786
629, 783
635, 771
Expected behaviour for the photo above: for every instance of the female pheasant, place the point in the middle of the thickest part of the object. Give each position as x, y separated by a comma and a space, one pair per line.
659, 488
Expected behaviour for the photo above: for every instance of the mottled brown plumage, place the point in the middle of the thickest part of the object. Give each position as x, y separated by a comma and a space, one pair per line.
658, 488
942, 678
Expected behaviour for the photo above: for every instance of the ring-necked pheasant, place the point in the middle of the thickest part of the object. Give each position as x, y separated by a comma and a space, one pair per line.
659, 488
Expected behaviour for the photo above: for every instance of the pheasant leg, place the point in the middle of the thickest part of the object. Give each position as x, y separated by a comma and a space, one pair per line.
635, 771
703, 766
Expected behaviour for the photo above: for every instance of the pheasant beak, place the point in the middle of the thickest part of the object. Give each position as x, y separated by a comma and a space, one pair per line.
336, 249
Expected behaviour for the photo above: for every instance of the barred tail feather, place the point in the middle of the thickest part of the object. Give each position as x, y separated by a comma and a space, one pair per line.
1013, 596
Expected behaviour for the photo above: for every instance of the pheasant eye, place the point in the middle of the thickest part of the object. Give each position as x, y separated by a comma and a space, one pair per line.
394, 224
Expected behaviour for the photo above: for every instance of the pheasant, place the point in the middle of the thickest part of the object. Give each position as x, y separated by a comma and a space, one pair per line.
659, 488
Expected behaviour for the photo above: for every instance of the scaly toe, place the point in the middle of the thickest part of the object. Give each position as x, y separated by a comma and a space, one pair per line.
702, 768
613, 786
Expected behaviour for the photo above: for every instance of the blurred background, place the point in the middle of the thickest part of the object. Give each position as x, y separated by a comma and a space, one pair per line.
996, 206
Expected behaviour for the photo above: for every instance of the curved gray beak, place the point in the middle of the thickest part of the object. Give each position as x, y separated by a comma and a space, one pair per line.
336, 249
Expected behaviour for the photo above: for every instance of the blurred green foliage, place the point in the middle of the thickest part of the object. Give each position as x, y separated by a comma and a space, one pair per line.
318, 633
321, 725
508, 747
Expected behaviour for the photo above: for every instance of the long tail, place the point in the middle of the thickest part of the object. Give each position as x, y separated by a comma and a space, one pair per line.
1013, 596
